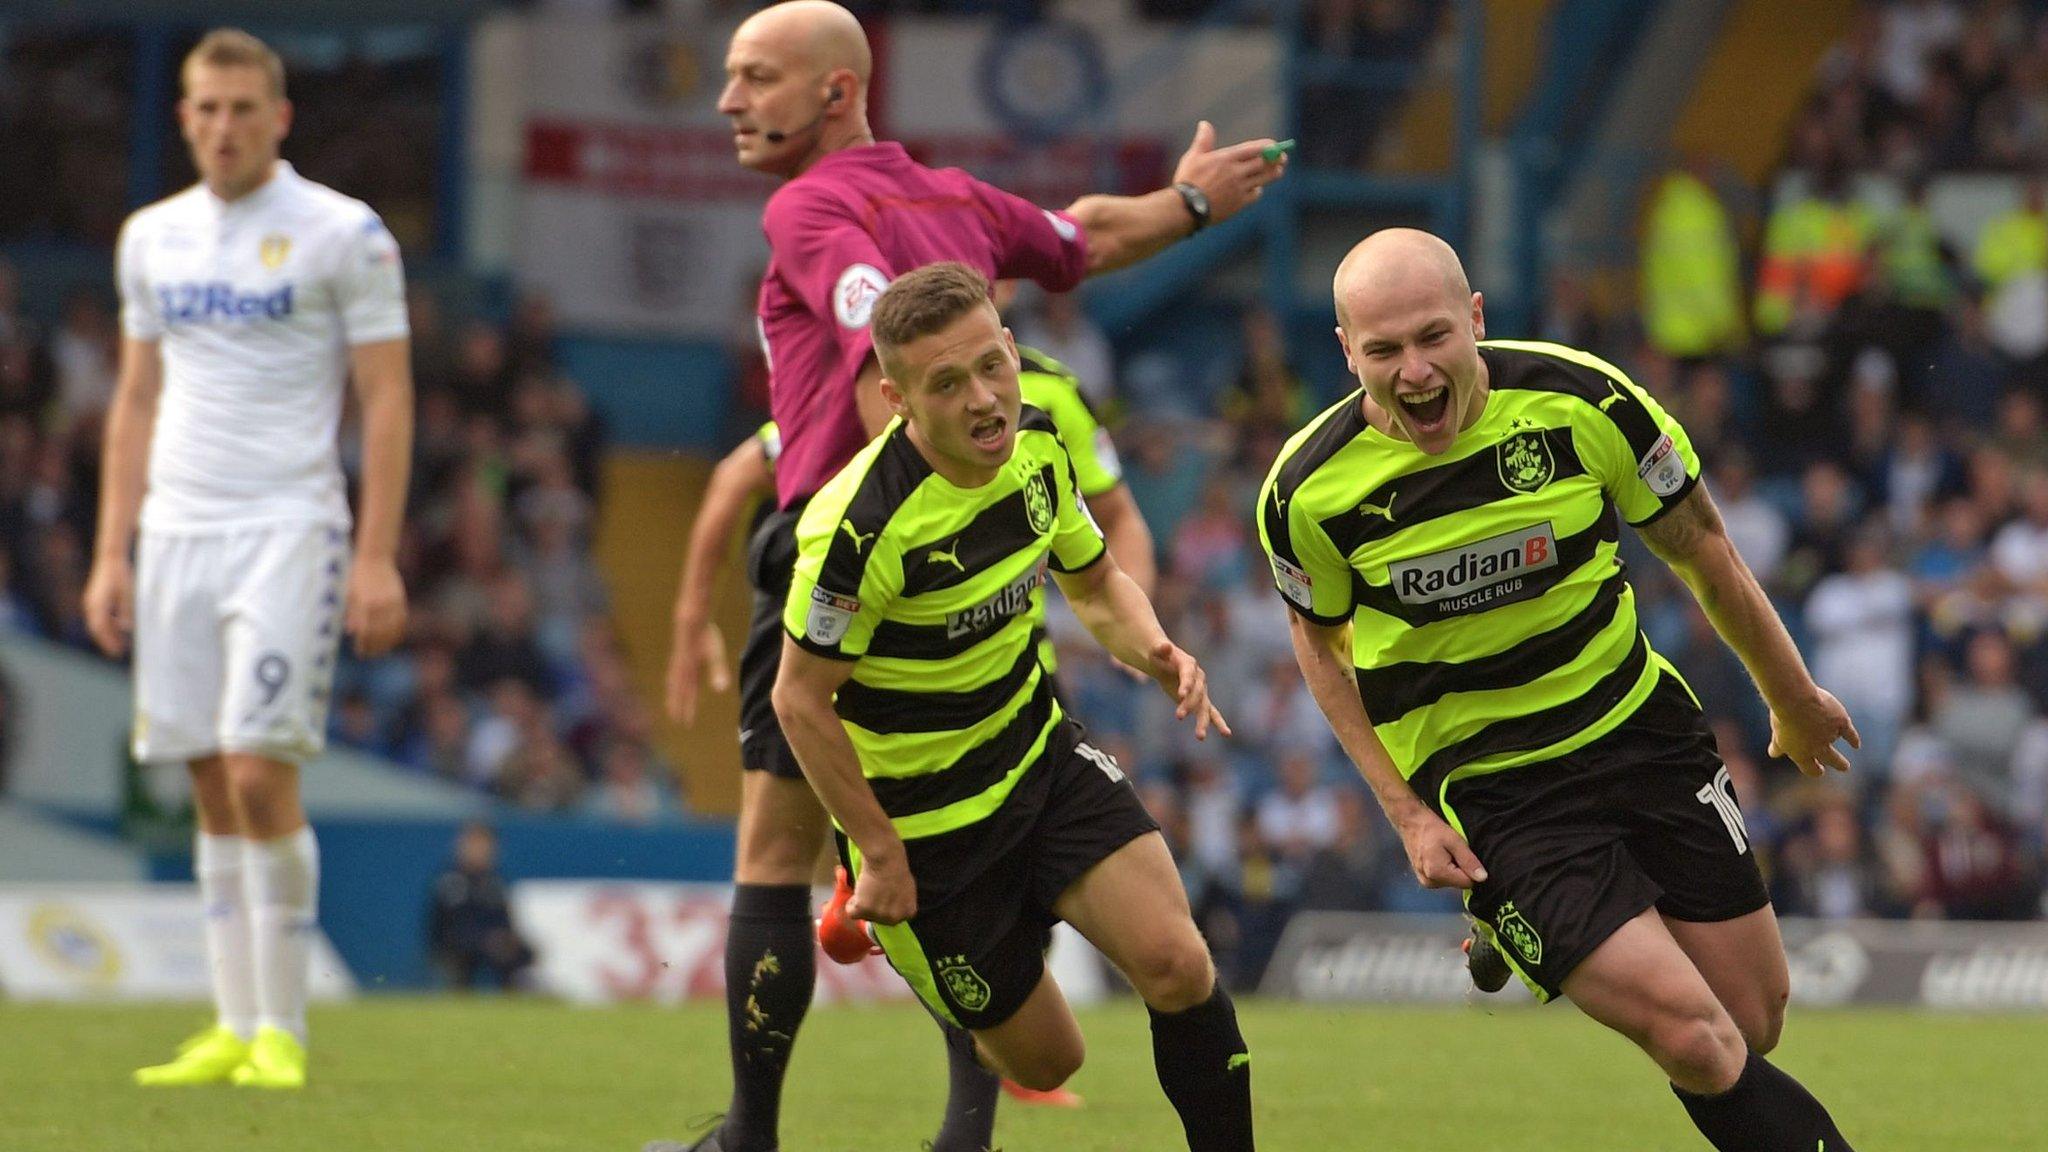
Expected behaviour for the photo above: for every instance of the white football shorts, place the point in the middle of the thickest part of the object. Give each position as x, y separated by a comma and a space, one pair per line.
235, 639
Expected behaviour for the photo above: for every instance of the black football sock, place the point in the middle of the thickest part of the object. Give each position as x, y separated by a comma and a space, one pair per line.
1206, 1072
770, 967
1766, 1111
971, 1092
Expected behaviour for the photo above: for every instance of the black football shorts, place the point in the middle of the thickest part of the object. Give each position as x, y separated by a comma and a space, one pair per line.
975, 951
771, 560
1643, 817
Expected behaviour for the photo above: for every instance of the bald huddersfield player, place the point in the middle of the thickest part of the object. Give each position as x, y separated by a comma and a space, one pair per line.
854, 211
1446, 538
972, 812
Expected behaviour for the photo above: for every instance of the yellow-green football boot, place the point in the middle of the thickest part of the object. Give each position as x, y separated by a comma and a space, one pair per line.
210, 1057
276, 1060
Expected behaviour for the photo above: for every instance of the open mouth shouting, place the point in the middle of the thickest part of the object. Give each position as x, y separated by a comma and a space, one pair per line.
1427, 412
987, 432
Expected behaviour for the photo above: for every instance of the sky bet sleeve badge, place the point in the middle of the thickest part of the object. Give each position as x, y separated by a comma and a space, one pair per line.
831, 614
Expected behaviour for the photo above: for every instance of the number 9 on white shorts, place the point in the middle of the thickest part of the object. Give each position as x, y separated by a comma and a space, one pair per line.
235, 639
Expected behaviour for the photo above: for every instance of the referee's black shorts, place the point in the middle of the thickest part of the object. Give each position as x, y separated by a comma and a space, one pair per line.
1643, 817
771, 561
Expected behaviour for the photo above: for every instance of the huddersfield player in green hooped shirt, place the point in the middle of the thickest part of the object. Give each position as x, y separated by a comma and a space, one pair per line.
697, 652
1446, 539
973, 812
746, 476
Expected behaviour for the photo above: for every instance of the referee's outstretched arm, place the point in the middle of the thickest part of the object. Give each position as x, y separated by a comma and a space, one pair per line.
1439, 857
1210, 185
1806, 719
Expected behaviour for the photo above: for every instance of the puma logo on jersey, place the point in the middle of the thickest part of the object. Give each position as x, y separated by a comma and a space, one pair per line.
950, 556
1386, 509
860, 539
1617, 396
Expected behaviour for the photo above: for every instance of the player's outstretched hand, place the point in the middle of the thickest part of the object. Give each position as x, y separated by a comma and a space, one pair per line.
885, 892
696, 654
375, 616
110, 603
1437, 855
1183, 679
1230, 177
1806, 733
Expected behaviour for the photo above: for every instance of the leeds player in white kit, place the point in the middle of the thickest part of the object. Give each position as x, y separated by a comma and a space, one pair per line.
247, 301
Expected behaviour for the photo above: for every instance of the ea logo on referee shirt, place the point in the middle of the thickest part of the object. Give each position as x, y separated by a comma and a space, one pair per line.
853, 298
1525, 462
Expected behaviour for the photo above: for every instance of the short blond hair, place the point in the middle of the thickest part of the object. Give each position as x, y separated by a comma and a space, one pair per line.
925, 301
234, 48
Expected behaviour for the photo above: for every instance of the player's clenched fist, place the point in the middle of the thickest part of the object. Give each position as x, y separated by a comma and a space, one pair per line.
885, 893
110, 604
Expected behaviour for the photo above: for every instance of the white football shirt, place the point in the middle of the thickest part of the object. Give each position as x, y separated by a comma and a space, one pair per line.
255, 303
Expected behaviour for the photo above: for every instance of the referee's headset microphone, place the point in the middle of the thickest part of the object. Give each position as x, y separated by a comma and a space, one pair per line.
831, 98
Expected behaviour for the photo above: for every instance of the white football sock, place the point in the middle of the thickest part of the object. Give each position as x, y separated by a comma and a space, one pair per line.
217, 865
284, 884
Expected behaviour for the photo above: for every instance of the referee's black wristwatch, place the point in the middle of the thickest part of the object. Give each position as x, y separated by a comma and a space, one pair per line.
1197, 202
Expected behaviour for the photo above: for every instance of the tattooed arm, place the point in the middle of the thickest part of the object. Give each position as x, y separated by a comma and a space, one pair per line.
1806, 719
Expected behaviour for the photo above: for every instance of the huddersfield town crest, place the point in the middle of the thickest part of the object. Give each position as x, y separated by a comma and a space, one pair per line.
963, 984
1038, 502
1520, 936
1525, 463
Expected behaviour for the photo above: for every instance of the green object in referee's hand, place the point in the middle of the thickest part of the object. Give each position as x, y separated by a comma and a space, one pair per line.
1272, 153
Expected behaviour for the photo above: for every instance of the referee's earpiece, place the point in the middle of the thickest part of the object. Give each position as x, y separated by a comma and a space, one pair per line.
832, 96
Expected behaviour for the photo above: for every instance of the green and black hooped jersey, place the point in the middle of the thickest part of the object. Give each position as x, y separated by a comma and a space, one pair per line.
937, 592
1492, 625
1048, 386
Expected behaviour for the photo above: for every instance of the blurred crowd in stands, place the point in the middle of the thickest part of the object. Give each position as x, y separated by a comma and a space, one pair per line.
510, 680
67, 120
1867, 386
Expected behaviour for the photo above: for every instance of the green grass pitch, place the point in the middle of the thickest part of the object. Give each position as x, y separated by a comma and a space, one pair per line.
484, 1075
